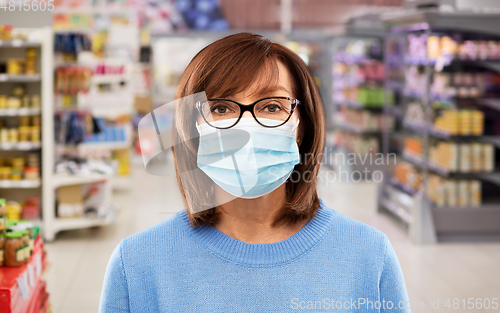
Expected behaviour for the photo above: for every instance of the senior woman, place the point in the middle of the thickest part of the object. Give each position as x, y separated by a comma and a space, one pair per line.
254, 236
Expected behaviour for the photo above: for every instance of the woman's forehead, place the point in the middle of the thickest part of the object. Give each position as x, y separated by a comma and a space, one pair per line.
269, 82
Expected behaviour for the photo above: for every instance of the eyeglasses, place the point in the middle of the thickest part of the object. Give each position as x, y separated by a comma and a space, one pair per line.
268, 112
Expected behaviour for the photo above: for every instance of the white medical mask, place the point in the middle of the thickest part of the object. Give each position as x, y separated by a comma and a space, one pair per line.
248, 170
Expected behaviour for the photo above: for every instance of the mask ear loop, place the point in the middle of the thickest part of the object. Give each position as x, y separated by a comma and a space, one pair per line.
296, 125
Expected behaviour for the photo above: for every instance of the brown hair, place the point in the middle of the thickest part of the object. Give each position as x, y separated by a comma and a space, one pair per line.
227, 67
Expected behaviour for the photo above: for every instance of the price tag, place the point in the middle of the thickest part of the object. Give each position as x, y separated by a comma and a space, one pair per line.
38, 265
3, 77
22, 283
10, 111
17, 43
31, 275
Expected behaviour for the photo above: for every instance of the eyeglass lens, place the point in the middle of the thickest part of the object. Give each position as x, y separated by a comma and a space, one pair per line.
269, 112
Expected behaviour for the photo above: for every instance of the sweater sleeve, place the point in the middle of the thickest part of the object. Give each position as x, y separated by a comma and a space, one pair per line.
114, 295
392, 284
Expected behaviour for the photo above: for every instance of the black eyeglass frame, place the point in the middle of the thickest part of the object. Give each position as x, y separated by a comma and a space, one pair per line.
248, 107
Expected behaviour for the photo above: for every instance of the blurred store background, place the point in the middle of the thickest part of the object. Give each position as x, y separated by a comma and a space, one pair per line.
411, 90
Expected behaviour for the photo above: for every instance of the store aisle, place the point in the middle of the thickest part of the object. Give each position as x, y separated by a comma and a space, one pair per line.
452, 270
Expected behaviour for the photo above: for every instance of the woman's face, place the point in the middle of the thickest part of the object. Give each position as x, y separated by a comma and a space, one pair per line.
283, 88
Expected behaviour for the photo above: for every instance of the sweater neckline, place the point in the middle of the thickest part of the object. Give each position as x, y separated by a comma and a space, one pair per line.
262, 254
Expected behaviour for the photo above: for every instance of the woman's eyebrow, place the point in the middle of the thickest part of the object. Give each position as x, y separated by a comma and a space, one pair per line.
270, 89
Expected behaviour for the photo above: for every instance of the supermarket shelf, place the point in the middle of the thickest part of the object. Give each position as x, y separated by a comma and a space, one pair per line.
493, 65
353, 59
407, 189
60, 180
420, 129
352, 81
78, 223
397, 111
432, 97
16, 43
20, 78
21, 111
486, 207
491, 103
418, 161
493, 177
20, 183
109, 145
396, 210
393, 84
494, 140
109, 78
410, 60
23, 145
358, 105
355, 129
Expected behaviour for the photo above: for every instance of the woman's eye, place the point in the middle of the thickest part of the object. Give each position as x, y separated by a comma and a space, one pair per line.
221, 109
272, 108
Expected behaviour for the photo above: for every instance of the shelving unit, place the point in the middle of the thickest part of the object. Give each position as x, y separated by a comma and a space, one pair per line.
414, 206
19, 78
45, 187
40, 84
355, 81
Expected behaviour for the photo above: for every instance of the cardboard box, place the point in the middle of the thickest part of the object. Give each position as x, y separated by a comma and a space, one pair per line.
143, 104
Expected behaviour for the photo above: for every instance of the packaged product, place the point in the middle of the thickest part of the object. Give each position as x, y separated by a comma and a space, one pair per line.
13, 102
24, 133
463, 193
18, 91
28, 226
13, 211
448, 46
3, 101
1, 248
4, 135
451, 193
477, 126
31, 208
35, 101
477, 157
475, 193
5, 173
13, 249
13, 135
35, 121
31, 173
26, 245
433, 47
3, 215
488, 158
18, 163
465, 122
15, 66
35, 133
25, 101
465, 158
24, 121
16, 173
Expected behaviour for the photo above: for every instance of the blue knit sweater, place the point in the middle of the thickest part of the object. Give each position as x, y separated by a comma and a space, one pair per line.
332, 263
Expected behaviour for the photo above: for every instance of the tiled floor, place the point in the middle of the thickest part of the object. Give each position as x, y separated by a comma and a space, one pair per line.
452, 270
